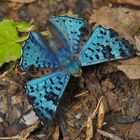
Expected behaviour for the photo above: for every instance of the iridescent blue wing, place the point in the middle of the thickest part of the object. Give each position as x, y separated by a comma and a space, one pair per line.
62, 52
36, 53
105, 45
68, 30
44, 93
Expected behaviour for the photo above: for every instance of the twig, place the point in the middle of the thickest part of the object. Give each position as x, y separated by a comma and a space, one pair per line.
10, 138
85, 93
96, 110
22, 1
108, 135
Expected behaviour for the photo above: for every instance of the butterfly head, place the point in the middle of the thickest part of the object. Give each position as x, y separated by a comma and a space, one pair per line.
78, 74
74, 69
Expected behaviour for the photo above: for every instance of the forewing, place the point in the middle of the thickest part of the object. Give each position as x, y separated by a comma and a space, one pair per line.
44, 94
105, 45
68, 30
36, 54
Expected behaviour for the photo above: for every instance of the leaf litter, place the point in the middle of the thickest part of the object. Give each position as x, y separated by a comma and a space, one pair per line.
108, 80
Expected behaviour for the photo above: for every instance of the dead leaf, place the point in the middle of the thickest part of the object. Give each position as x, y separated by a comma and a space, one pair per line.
122, 20
112, 100
55, 135
131, 67
89, 131
132, 2
101, 113
137, 38
99, 3
89, 123
107, 85
26, 132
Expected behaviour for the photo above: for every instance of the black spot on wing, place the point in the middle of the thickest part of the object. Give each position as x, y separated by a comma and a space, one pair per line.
90, 58
82, 29
32, 98
91, 50
51, 80
97, 56
28, 47
52, 97
108, 48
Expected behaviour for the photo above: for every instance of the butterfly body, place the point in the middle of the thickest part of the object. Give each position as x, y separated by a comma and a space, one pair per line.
67, 61
65, 58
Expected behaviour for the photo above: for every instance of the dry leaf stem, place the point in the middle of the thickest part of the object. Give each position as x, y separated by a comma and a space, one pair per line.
108, 135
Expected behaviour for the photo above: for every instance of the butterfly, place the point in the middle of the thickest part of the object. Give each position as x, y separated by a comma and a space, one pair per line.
65, 57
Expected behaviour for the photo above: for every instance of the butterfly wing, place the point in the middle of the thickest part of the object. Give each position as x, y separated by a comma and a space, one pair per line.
44, 93
105, 45
36, 54
68, 30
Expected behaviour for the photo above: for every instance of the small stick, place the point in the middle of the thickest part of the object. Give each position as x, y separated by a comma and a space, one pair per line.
10, 138
22, 1
108, 135
85, 93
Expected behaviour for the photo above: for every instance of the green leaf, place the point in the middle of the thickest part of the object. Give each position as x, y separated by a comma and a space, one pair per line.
1, 63
10, 42
24, 27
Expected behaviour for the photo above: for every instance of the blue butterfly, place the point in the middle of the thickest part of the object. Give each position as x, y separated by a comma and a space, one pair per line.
65, 58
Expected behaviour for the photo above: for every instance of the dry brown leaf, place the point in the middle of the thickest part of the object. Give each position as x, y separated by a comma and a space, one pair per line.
55, 135
131, 67
122, 20
22, 1
137, 38
26, 132
112, 100
132, 2
89, 123
101, 113
89, 131
99, 3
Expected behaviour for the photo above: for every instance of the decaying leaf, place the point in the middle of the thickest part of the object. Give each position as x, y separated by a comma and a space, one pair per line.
137, 38
131, 67
122, 20
101, 113
26, 132
132, 2
101, 110
55, 135
89, 131
99, 3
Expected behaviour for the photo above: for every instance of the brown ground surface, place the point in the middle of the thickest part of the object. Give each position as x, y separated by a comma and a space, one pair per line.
121, 94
